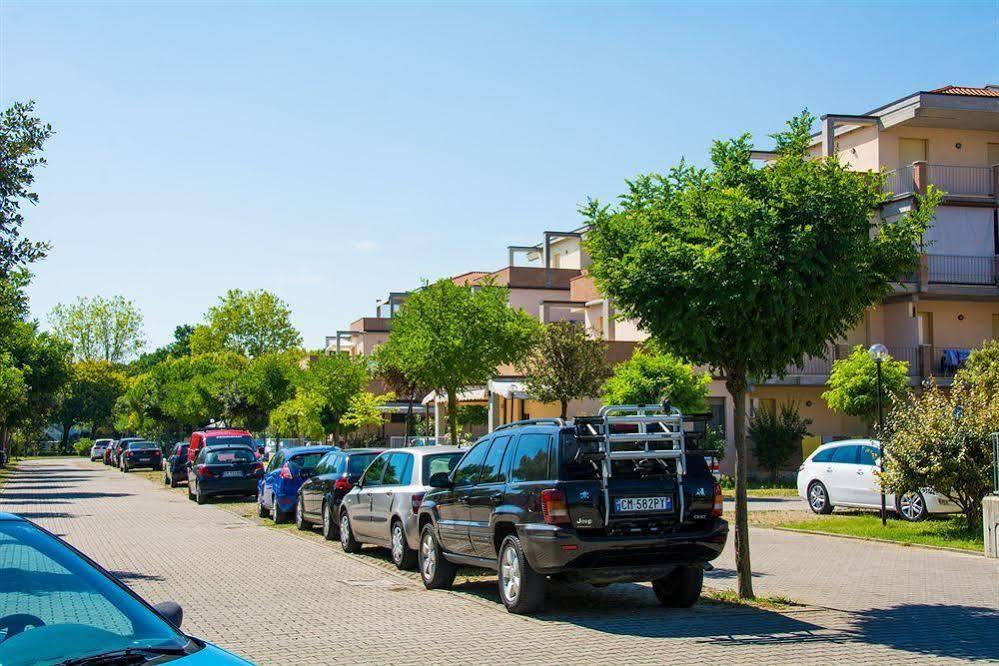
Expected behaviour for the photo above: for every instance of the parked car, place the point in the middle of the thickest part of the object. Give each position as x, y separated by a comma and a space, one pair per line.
58, 623
320, 495
543, 499
383, 508
119, 447
220, 437
223, 470
175, 467
141, 454
98, 449
845, 473
287, 470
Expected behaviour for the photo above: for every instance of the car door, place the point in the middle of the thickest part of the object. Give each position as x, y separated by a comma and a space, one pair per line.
398, 465
359, 500
840, 474
311, 495
485, 496
270, 476
866, 483
452, 507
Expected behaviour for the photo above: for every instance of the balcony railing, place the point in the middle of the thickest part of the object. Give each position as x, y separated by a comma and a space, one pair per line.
945, 361
956, 181
959, 269
816, 366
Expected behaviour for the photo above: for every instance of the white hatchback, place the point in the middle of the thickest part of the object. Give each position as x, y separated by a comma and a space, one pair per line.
846, 474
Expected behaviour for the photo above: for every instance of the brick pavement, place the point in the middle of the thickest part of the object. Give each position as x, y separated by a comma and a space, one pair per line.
278, 599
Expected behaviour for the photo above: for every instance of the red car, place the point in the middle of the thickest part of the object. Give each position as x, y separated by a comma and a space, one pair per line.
218, 437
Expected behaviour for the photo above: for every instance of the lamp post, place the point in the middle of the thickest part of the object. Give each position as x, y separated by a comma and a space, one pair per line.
879, 353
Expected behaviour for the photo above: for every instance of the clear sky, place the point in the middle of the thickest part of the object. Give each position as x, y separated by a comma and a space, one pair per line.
335, 152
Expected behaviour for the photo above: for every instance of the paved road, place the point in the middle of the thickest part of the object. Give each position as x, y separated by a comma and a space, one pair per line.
281, 599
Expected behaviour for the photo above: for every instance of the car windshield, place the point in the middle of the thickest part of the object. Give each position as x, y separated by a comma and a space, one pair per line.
359, 462
229, 440
229, 456
75, 610
142, 445
308, 460
440, 462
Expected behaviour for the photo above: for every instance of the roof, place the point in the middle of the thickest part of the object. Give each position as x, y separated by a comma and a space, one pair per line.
297, 450
854, 442
351, 452
987, 91
431, 450
223, 432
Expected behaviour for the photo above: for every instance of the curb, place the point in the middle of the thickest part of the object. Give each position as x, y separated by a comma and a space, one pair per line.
903, 544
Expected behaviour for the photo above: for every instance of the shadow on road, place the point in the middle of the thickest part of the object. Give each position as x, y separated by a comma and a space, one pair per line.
126, 576
938, 630
56, 497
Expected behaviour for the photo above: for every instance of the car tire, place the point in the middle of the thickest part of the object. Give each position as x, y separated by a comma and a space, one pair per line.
681, 588
124, 468
347, 540
331, 528
199, 497
436, 572
300, 521
158, 468
403, 557
818, 498
911, 506
190, 491
277, 515
521, 588
261, 511
166, 479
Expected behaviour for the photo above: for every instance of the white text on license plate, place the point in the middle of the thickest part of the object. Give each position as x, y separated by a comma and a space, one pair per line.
625, 504
230, 474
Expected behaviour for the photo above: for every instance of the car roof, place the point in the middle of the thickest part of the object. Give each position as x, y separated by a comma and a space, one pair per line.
223, 432
430, 450
10, 516
351, 452
845, 442
297, 450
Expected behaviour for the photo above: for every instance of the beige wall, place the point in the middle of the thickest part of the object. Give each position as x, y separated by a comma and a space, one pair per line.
529, 300
900, 328
960, 324
941, 145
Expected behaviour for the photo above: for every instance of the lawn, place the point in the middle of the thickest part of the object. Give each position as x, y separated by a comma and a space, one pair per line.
760, 489
945, 531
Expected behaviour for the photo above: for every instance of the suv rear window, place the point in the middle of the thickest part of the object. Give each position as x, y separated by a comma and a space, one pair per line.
141, 446
229, 456
229, 440
307, 460
530, 460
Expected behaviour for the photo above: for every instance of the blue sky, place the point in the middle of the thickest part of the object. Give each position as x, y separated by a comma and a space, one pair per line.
332, 153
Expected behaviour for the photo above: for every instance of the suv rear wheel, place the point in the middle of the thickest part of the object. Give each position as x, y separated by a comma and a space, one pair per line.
681, 588
403, 556
435, 571
521, 588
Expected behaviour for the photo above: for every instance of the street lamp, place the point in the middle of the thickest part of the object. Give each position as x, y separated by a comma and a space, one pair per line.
879, 353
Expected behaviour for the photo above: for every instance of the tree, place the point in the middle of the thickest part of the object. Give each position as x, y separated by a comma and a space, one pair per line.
942, 440
90, 396
853, 384
267, 381
749, 270
332, 380
250, 323
982, 366
22, 137
181, 346
299, 416
452, 337
364, 410
100, 329
564, 364
776, 435
649, 377
389, 369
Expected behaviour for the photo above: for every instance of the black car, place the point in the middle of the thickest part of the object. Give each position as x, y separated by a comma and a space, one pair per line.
119, 447
223, 470
604, 500
175, 467
140, 454
335, 475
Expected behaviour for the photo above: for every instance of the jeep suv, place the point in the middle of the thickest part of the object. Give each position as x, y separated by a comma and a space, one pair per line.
605, 500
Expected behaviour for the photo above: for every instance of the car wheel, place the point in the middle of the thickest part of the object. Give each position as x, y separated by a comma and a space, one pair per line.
166, 479
124, 468
911, 506
331, 529
261, 511
521, 588
681, 588
190, 490
300, 521
347, 540
198, 496
436, 572
403, 556
277, 515
818, 498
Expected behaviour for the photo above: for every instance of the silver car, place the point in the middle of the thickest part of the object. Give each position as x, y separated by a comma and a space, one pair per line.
382, 508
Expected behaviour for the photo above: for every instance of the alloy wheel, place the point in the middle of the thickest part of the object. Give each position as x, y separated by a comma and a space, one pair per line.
510, 574
428, 553
345, 531
817, 497
911, 505
327, 521
397, 543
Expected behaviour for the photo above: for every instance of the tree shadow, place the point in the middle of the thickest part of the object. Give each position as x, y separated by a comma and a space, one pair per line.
42, 498
126, 576
722, 573
936, 630
37, 515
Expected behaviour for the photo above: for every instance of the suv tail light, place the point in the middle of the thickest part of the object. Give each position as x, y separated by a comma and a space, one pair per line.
128, 453
417, 501
258, 468
343, 484
716, 511
205, 473
554, 507
286, 472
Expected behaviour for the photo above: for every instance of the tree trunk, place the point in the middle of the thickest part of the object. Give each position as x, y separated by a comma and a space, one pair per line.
452, 415
4, 450
736, 385
565, 407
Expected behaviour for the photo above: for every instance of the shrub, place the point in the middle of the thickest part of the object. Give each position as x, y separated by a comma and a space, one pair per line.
853, 384
776, 434
650, 377
83, 446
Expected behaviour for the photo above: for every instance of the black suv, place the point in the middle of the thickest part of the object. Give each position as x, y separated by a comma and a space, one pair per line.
540, 499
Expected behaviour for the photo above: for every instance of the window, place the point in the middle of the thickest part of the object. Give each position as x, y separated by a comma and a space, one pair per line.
396, 466
823, 456
530, 463
307, 460
373, 475
845, 454
439, 462
492, 468
717, 406
325, 463
276, 461
468, 469
142, 446
228, 456
359, 462
868, 454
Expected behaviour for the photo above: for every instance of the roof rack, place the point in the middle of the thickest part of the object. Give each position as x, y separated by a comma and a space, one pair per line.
552, 421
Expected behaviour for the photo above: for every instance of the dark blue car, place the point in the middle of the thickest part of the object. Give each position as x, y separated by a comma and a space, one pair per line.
286, 471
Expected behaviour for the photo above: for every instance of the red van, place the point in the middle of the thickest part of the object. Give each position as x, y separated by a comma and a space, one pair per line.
218, 437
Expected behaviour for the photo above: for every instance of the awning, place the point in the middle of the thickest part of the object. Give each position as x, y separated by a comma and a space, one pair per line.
508, 388
469, 395
400, 407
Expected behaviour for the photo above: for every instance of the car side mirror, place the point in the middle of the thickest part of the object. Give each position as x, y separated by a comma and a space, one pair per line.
440, 480
171, 612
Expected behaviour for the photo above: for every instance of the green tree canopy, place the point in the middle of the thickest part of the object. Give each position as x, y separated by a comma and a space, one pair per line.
332, 380
99, 328
650, 376
451, 337
364, 410
250, 323
268, 380
90, 395
748, 270
22, 137
564, 364
853, 384
181, 346
299, 416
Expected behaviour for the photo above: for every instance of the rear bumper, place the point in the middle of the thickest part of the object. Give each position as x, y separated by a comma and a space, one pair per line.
555, 550
246, 485
152, 464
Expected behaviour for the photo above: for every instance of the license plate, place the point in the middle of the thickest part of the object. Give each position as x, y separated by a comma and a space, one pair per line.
639, 504
231, 474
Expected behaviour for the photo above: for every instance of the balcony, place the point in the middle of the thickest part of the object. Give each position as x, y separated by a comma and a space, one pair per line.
814, 371
958, 182
958, 269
